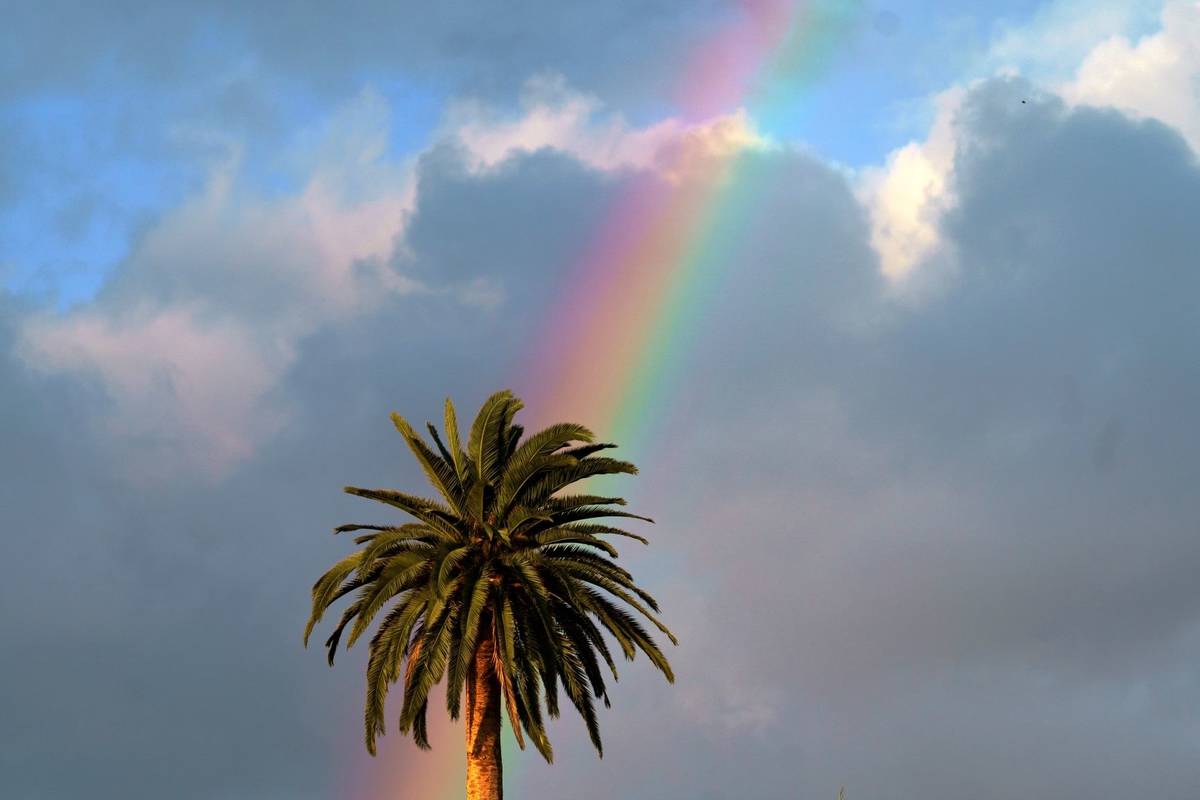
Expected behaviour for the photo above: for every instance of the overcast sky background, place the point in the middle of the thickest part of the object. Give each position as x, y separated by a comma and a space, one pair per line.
927, 496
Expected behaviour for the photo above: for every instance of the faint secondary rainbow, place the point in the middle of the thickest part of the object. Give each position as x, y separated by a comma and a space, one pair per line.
611, 352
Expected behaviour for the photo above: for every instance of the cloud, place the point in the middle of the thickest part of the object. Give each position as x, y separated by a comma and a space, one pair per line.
553, 116
1155, 76
1059, 34
479, 50
974, 519
908, 194
181, 385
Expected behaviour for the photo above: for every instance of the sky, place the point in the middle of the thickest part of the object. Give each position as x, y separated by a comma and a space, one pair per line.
923, 469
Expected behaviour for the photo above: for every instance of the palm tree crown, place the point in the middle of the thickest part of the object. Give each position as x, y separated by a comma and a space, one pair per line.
504, 579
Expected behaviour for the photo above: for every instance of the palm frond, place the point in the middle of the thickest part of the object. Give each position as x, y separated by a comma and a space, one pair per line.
440, 471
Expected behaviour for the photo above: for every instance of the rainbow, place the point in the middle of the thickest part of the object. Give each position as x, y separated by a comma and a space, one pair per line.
611, 353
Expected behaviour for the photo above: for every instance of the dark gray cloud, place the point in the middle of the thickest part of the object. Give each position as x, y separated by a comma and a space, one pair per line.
941, 550
141, 656
989, 502
500, 207
490, 47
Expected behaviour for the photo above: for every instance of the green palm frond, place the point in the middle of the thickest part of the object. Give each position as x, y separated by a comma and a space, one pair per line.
440, 471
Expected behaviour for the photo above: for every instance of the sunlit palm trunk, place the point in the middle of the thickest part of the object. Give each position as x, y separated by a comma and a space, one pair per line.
484, 776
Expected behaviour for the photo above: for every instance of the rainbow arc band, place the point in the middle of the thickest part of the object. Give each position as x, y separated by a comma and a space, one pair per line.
612, 354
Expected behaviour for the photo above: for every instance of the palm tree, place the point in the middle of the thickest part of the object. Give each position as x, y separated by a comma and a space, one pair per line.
503, 586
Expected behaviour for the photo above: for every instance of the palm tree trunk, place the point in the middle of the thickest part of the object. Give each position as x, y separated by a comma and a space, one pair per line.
484, 774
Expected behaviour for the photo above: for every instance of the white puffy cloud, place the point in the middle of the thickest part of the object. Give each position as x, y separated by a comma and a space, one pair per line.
181, 385
910, 192
1155, 76
553, 116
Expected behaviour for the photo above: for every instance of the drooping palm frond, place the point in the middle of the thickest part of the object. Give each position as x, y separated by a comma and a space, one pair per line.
505, 556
